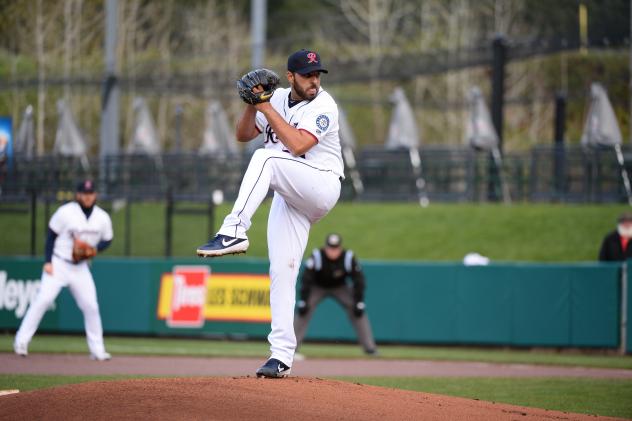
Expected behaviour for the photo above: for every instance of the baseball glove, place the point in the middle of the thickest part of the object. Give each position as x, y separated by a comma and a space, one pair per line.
266, 79
82, 251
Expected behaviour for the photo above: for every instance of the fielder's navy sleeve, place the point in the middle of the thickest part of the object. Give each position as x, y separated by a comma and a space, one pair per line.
51, 236
103, 244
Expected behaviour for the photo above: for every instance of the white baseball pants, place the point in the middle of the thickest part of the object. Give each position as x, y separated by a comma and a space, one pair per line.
303, 194
81, 284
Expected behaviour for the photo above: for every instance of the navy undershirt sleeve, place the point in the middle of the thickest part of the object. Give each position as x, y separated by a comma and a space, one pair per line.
103, 245
50, 244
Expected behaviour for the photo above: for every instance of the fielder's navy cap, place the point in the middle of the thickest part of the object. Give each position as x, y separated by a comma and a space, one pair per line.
86, 186
333, 240
304, 62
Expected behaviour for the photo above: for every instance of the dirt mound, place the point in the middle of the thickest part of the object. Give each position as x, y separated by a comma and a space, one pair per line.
249, 398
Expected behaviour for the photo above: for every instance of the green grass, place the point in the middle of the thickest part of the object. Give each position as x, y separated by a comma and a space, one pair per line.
26, 382
217, 348
609, 397
387, 231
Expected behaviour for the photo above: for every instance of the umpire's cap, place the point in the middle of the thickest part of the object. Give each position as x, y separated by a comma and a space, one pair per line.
86, 186
304, 62
333, 240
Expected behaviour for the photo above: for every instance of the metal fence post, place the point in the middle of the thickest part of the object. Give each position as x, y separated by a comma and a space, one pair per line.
623, 337
211, 217
558, 157
499, 60
33, 222
168, 223
128, 227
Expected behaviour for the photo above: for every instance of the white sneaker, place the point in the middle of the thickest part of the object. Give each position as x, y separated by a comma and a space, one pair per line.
21, 349
101, 356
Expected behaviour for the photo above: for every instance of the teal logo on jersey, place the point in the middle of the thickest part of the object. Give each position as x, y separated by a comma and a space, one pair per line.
322, 122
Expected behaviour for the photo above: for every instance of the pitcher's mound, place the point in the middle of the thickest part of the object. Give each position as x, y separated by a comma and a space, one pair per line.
249, 398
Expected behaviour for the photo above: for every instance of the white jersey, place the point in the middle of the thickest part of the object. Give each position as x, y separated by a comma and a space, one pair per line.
319, 117
69, 222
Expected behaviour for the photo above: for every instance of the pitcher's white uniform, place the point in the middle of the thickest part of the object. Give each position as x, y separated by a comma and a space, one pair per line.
70, 222
305, 189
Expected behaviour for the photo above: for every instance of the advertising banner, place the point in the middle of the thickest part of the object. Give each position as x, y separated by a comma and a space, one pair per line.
191, 294
6, 140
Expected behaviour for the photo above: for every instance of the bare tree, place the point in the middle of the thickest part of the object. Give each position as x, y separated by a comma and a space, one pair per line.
378, 21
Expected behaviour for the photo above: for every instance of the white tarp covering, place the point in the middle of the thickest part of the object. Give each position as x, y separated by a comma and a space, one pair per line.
219, 137
25, 139
348, 143
402, 131
144, 135
345, 131
480, 132
68, 139
601, 127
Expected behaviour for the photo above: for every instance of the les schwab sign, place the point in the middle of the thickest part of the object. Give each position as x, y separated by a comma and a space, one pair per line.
190, 295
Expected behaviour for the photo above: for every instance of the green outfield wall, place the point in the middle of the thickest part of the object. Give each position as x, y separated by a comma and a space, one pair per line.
556, 305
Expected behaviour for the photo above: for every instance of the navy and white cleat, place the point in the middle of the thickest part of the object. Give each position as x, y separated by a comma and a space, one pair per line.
273, 368
222, 245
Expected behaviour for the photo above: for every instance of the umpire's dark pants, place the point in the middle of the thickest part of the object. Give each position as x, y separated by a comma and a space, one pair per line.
344, 296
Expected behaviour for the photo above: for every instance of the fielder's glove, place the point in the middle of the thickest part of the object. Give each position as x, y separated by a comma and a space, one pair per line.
82, 251
358, 309
302, 308
266, 79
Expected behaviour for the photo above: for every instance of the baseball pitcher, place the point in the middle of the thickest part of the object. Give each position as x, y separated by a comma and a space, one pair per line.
77, 231
302, 163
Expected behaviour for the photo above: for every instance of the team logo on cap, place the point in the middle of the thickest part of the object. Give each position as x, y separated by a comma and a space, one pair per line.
312, 58
322, 121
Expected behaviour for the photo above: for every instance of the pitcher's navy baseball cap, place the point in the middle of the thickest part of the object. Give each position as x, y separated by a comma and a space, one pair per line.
304, 62
86, 186
333, 240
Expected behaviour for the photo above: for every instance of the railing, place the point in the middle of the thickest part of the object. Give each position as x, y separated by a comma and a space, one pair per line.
544, 174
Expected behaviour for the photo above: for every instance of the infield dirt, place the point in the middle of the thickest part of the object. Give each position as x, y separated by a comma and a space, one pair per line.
250, 398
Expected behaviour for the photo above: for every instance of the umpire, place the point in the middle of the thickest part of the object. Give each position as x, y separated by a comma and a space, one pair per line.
325, 275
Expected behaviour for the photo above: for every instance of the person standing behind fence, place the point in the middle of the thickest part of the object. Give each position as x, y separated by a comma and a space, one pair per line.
325, 275
77, 231
616, 245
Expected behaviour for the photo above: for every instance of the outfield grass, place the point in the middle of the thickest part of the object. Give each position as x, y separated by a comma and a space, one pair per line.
385, 231
609, 397
216, 348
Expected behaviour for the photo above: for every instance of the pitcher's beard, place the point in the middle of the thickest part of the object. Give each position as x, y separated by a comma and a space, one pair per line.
302, 93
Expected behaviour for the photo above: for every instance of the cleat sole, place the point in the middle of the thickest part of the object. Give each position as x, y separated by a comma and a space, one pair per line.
204, 255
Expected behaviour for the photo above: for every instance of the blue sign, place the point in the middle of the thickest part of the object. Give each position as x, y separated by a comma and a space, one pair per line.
6, 139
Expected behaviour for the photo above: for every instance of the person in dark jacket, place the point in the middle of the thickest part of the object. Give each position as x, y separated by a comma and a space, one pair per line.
616, 245
325, 275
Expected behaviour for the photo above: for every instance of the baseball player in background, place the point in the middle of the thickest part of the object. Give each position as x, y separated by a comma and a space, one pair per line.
77, 231
325, 275
302, 163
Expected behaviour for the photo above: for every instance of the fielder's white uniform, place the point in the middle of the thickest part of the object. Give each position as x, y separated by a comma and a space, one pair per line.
305, 189
69, 222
